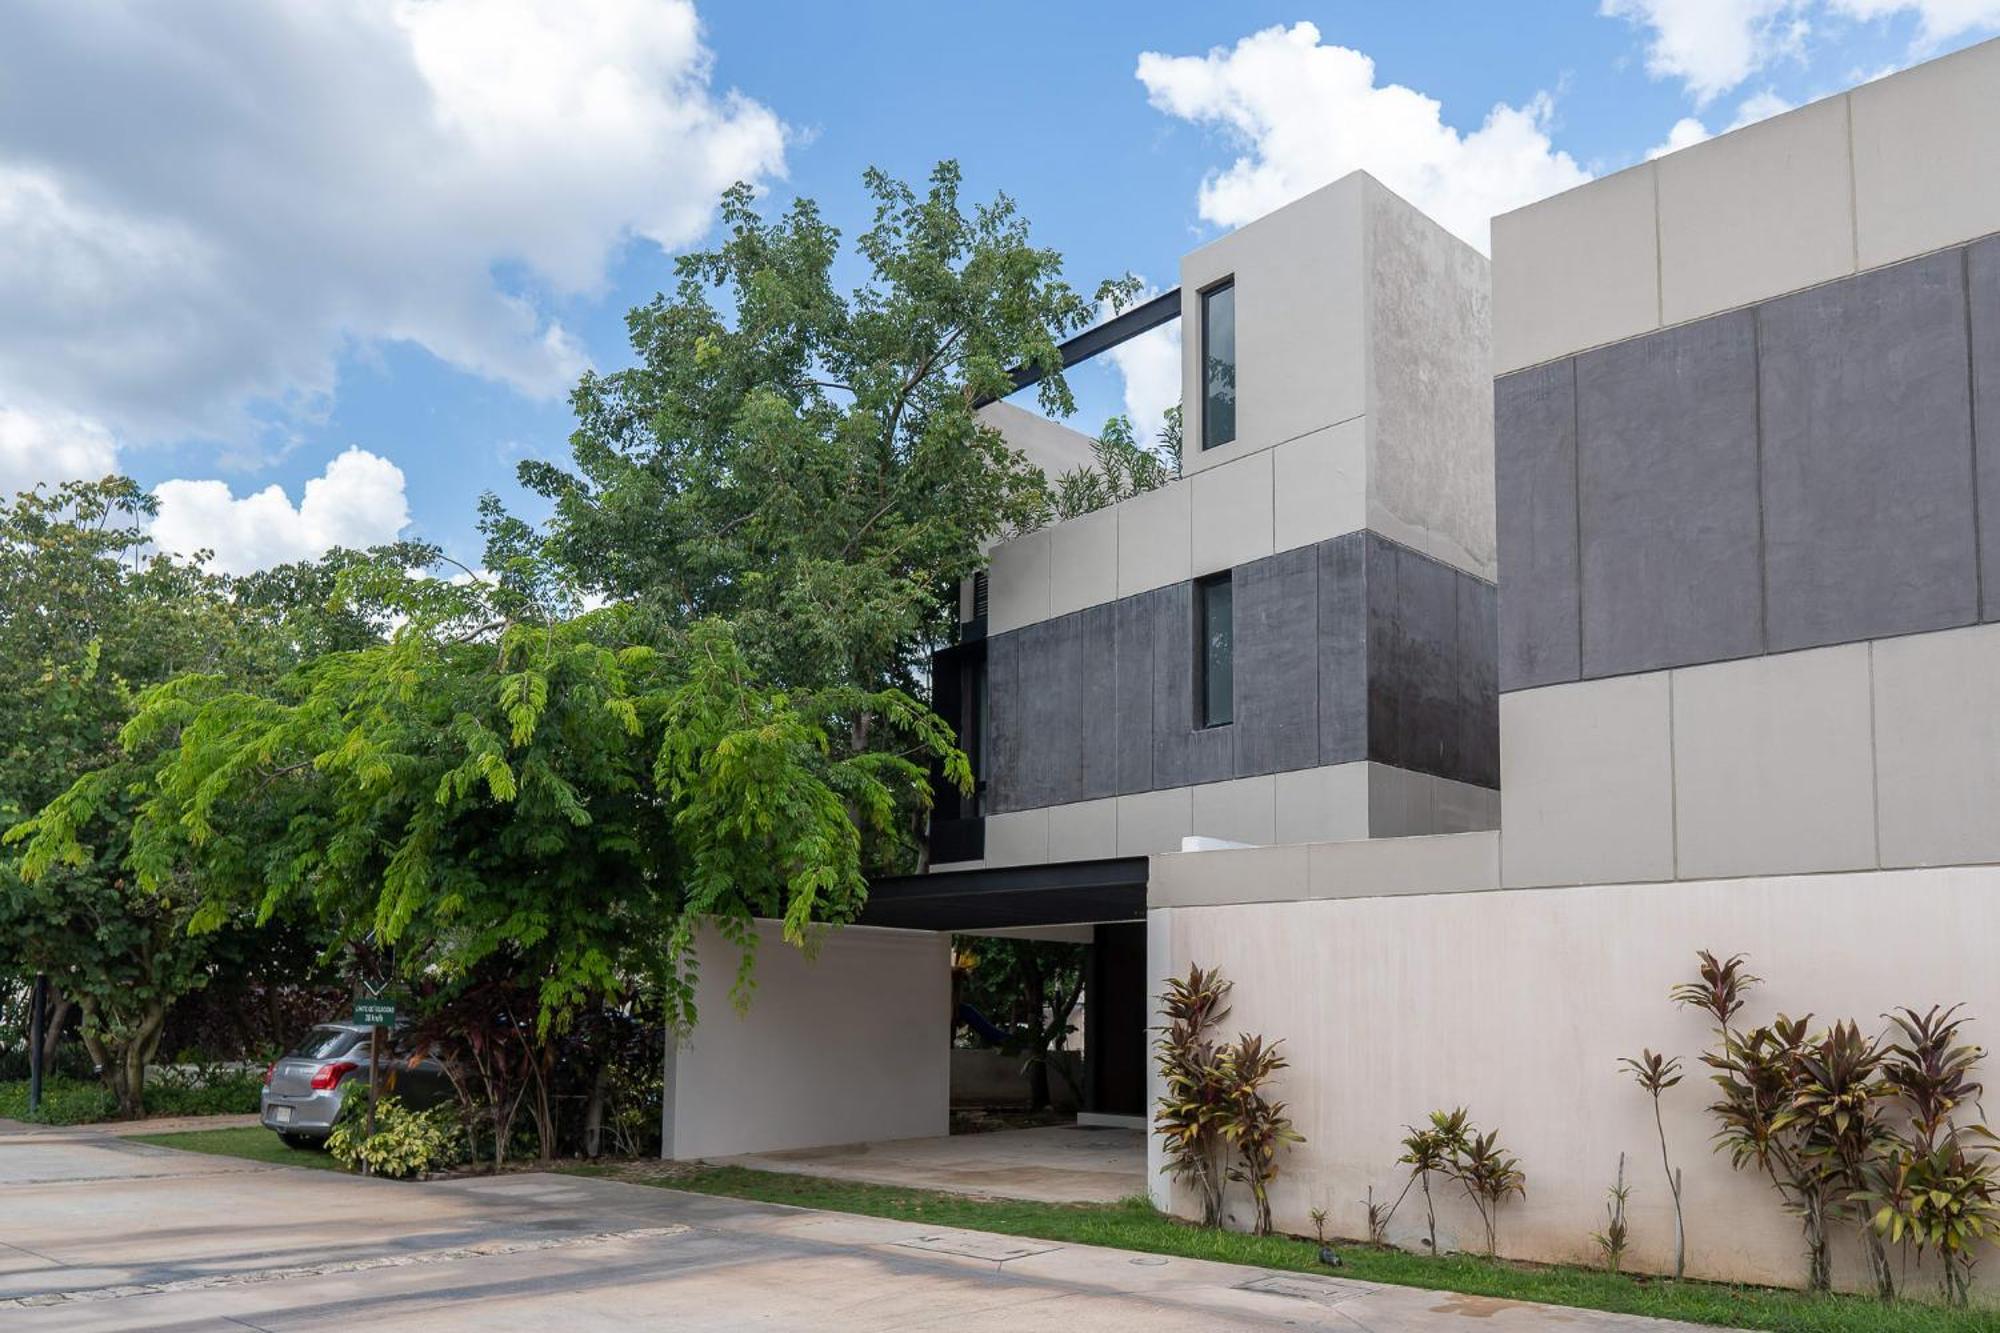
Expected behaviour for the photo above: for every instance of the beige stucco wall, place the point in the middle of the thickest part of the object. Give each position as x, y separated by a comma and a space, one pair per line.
851, 1045
1520, 1003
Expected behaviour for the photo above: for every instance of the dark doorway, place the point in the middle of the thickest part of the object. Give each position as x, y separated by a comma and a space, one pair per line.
1114, 1017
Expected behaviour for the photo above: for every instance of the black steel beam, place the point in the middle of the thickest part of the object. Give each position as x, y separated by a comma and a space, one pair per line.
1122, 327
1068, 893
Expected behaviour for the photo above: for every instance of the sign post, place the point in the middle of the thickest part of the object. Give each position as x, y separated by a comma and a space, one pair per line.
375, 1013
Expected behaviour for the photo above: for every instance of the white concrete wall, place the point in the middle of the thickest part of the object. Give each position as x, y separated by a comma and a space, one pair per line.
1364, 399
1520, 1004
850, 1046
1328, 804
1891, 170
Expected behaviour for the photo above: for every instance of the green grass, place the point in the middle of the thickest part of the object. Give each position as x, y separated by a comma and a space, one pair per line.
258, 1145
71, 1101
1136, 1225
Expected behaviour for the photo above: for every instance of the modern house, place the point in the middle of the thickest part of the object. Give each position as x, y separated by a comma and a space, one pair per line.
1724, 428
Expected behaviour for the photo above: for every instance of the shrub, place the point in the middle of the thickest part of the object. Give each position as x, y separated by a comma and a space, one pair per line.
406, 1143
1257, 1126
1613, 1240
1193, 1108
1656, 1073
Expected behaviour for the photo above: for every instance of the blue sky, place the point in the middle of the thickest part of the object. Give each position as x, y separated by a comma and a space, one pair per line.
320, 245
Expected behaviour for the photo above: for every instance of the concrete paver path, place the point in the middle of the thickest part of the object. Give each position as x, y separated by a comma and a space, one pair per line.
100, 1233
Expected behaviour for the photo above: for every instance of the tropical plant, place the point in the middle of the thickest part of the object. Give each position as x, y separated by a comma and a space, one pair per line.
1430, 1150
1120, 468
1836, 1106
1194, 1105
1613, 1240
1656, 1074
1935, 1187
1488, 1174
1252, 1123
1031, 988
404, 1144
1379, 1217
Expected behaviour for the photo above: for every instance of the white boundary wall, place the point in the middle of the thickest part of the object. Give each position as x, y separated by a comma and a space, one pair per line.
1519, 1004
851, 1046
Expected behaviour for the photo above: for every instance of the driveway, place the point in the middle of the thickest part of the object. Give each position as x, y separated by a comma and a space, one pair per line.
1051, 1164
100, 1233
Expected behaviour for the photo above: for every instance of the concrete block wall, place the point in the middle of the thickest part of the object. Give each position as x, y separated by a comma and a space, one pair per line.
1748, 474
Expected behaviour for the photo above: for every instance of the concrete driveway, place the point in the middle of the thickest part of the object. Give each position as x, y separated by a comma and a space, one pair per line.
99, 1233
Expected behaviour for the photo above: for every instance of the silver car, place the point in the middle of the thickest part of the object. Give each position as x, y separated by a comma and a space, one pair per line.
303, 1088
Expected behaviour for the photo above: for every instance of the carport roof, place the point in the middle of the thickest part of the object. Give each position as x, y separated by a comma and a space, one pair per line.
1066, 893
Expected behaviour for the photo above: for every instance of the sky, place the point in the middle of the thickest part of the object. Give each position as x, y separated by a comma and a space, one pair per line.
322, 273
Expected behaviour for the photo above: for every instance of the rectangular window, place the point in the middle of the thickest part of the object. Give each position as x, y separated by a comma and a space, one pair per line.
1218, 364
1215, 652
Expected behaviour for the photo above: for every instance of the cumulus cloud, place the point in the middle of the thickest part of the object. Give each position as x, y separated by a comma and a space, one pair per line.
1150, 366
36, 449
1304, 112
357, 501
1712, 46
1937, 20
206, 205
1690, 130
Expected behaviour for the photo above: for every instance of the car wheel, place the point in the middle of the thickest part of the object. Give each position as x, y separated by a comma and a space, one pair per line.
301, 1140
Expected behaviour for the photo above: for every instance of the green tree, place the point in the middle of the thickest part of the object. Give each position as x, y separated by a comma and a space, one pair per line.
1031, 988
1120, 468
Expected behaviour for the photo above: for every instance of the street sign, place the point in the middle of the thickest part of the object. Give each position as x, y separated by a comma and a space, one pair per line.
375, 1013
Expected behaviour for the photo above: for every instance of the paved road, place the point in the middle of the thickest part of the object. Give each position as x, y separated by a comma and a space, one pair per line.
100, 1233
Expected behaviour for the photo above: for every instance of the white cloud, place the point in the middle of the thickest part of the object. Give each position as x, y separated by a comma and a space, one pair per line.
1937, 20
357, 502
1689, 130
52, 449
1150, 366
204, 206
1305, 113
1712, 46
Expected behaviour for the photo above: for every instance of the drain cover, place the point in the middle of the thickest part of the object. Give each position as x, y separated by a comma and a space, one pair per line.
993, 1249
1303, 1287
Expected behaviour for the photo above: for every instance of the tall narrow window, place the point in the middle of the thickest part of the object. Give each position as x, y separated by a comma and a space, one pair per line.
1218, 364
1215, 652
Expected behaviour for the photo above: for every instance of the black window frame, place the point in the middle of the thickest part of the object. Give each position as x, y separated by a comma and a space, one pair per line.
1207, 294
1204, 719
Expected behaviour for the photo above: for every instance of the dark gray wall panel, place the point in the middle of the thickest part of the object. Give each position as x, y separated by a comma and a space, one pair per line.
1478, 705
1132, 619
1867, 464
1097, 664
1534, 446
1277, 663
1049, 702
1412, 660
1983, 272
1668, 518
1343, 649
1173, 683
1006, 731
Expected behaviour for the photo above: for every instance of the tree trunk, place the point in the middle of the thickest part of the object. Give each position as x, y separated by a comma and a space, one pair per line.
1038, 1033
593, 1111
56, 1015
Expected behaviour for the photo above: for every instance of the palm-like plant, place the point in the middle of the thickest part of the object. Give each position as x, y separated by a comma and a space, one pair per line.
1656, 1074
1195, 1106
1253, 1124
1432, 1149
1837, 1104
1488, 1175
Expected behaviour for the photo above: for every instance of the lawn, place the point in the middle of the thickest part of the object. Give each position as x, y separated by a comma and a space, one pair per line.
1136, 1225
258, 1145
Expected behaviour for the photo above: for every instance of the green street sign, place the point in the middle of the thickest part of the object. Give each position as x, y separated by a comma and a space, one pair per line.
375, 1013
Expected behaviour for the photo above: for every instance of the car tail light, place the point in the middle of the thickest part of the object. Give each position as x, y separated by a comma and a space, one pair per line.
270, 1071
329, 1076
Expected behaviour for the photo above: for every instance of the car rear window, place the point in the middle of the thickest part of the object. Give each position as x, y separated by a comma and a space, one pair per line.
323, 1044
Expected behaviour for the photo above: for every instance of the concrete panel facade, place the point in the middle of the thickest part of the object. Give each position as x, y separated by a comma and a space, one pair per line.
1937, 719
1319, 485
1357, 648
1232, 514
1927, 156
1803, 473
1431, 991
1576, 270
1865, 404
882, 1070
1774, 768
1669, 524
1536, 471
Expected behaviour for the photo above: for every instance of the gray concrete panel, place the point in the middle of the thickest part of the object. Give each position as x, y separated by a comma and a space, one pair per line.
1867, 457
1412, 660
1050, 706
1343, 649
1132, 621
1478, 702
1535, 490
1004, 722
1277, 663
1173, 682
1097, 664
1669, 526
1983, 289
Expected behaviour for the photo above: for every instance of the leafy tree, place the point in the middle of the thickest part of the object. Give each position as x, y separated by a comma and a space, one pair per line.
808, 464
1030, 988
1120, 468
494, 786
